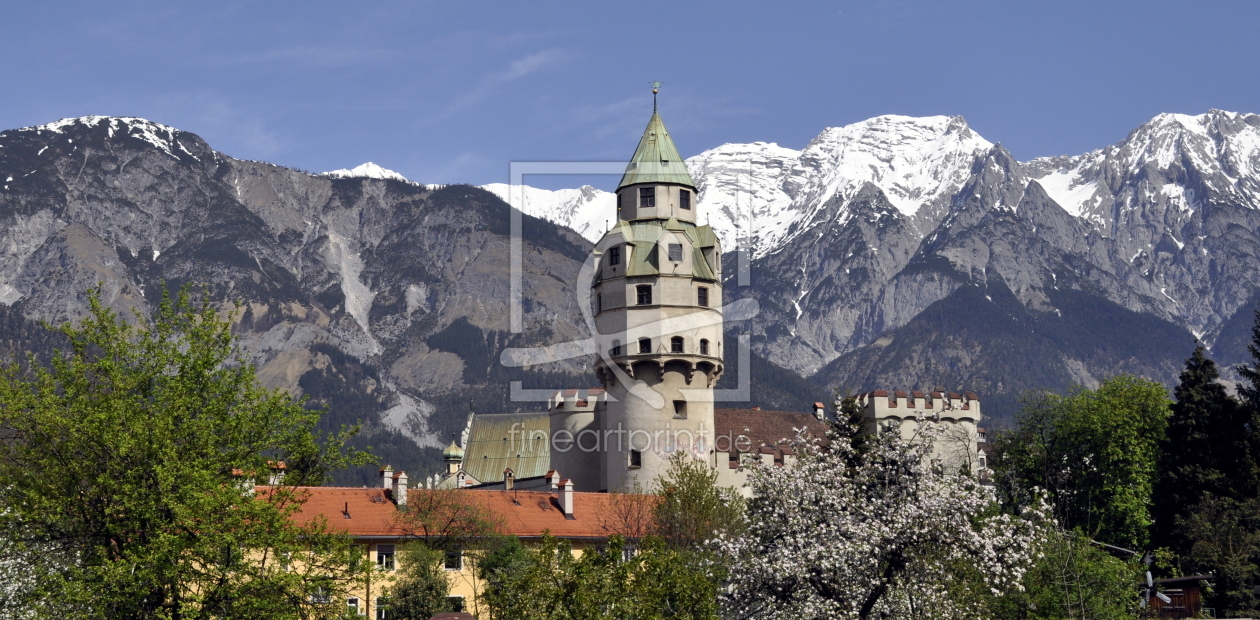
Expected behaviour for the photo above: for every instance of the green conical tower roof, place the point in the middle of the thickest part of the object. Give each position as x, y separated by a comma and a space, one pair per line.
657, 159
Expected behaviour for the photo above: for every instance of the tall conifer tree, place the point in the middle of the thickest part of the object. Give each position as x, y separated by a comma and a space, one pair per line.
1205, 451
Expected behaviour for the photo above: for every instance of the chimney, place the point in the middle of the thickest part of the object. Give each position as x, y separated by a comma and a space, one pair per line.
277, 473
387, 476
400, 488
509, 479
820, 411
553, 478
566, 498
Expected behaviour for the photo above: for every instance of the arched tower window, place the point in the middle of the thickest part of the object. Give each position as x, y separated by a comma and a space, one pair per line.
676, 344
645, 345
704, 346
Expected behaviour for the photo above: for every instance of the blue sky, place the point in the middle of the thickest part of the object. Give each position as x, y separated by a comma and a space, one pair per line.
451, 92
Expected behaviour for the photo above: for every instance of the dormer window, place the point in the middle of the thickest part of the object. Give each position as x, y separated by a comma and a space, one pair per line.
647, 197
684, 199
614, 255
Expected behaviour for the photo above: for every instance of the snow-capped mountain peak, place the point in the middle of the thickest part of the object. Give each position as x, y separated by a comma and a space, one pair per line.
161, 136
367, 170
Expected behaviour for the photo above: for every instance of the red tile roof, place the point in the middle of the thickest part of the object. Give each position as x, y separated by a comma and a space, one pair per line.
520, 513
764, 428
371, 513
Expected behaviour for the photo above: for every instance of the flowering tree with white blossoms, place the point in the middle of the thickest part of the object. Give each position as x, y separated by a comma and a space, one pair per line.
876, 530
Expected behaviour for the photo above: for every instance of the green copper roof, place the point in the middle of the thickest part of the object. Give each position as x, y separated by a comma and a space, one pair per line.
642, 235
657, 159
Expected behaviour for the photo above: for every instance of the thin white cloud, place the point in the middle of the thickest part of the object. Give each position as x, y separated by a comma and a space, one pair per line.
491, 83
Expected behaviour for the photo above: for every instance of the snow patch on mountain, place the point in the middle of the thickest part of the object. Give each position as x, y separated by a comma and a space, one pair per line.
367, 170
586, 210
1072, 193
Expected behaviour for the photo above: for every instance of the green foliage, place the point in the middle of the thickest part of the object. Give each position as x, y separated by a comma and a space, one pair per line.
1093, 451
421, 587
1226, 540
1204, 452
129, 459
1073, 579
551, 582
693, 509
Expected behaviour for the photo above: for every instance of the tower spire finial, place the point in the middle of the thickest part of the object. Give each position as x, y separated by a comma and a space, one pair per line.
656, 88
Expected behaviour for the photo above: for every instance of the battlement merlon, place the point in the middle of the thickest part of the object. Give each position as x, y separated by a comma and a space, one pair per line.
901, 405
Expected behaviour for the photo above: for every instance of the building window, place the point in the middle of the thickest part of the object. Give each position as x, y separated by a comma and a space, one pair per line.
382, 605
684, 199
455, 603
454, 560
676, 344
647, 196
702, 296
636, 459
599, 302
616, 348
645, 345
644, 294
385, 557
704, 346
675, 252
680, 410
352, 605
319, 596
614, 255
628, 552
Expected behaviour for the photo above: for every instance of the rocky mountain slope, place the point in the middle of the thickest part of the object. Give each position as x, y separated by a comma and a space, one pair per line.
854, 238
385, 300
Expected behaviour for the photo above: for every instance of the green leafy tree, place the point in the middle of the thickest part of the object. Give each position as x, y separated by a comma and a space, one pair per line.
1204, 452
1225, 534
421, 586
1093, 451
551, 582
130, 459
1073, 578
693, 508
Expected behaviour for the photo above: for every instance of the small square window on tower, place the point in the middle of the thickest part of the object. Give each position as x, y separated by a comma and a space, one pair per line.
647, 197
676, 344
614, 255
675, 252
680, 410
702, 296
645, 345
636, 459
643, 293
684, 199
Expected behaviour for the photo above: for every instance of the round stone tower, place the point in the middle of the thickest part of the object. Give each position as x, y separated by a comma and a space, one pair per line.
657, 298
